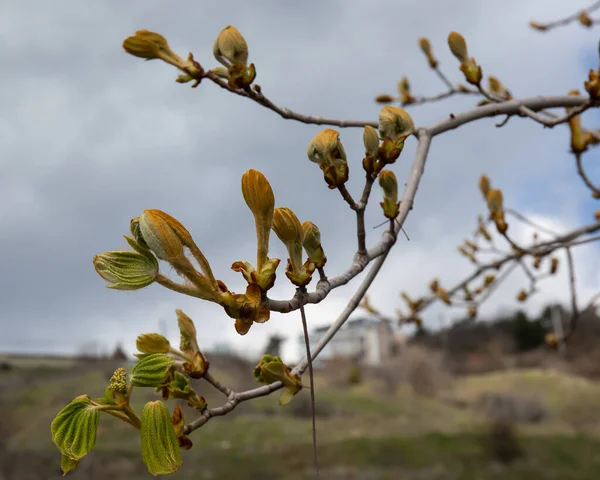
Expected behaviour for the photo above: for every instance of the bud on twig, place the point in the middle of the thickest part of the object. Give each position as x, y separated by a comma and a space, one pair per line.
151, 45
426, 49
311, 241
230, 47
389, 184
289, 230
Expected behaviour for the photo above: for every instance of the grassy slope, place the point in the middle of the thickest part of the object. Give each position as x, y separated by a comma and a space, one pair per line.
362, 436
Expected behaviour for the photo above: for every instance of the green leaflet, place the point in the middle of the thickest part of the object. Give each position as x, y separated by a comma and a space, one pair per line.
160, 448
74, 429
151, 370
67, 464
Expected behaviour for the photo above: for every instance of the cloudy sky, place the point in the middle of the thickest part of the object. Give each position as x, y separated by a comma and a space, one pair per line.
92, 136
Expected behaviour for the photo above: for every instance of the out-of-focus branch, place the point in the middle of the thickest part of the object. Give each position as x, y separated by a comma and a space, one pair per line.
537, 250
582, 16
595, 190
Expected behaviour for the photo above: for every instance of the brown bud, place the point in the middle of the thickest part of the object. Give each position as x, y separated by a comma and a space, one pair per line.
553, 265
384, 98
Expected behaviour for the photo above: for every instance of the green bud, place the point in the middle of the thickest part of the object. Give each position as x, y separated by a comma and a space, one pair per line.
160, 449
389, 184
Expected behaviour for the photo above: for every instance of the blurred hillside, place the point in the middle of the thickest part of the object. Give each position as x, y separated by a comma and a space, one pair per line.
425, 414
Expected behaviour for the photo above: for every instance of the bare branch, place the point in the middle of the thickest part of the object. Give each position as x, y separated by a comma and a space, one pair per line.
566, 20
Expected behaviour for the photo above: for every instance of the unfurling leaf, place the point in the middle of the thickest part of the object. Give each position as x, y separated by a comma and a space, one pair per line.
272, 369
160, 448
74, 429
151, 370
124, 270
152, 343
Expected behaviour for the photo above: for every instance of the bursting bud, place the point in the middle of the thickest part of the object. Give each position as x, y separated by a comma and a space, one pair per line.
311, 241
371, 141
404, 89
395, 123
426, 49
434, 285
327, 151
497, 88
261, 201
123, 270
592, 85
484, 185
389, 184
152, 343
287, 226
458, 46
163, 234
272, 369
230, 47
468, 66
151, 45
289, 230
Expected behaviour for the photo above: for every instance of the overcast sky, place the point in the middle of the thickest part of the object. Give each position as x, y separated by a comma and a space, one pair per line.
91, 136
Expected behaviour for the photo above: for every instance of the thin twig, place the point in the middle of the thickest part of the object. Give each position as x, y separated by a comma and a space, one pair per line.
312, 381
595, 190
218, 385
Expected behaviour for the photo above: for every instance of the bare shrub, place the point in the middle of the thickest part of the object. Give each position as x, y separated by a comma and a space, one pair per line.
419, 367
501, 443
502, 407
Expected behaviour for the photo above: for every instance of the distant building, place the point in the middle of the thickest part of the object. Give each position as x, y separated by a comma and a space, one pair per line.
366, 340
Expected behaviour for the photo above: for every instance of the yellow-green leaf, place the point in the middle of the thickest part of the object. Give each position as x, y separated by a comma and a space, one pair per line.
67, 464
74, 428
152, 370
160, 448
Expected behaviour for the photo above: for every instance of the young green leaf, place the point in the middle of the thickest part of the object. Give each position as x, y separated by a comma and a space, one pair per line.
152, 370
160, 448
67, 464
74, 428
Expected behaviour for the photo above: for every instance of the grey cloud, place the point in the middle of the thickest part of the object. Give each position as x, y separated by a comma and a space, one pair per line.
92, 136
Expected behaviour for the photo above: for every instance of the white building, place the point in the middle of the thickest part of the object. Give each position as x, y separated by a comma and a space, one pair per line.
365, 340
